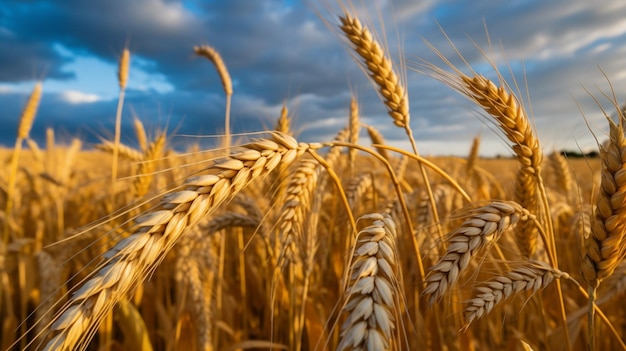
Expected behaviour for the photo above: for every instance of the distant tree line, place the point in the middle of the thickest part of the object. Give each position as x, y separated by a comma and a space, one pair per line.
567, 153
578, 154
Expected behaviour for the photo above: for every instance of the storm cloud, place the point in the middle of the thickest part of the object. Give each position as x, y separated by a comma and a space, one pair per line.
290, 51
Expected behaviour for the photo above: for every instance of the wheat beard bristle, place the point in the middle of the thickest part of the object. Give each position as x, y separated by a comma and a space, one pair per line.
156, 232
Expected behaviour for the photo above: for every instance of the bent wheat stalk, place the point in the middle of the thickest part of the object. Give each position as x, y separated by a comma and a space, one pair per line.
156, 232
212, 55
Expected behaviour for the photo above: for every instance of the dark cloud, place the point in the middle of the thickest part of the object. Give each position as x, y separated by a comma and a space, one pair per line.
278, 51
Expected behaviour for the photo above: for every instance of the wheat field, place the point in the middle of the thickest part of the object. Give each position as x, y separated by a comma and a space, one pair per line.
271, 243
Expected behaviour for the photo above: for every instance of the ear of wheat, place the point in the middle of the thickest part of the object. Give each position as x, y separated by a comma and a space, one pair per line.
483, 226
379, 68
605, 247
371, 293
513, 121
531, 276
156, 232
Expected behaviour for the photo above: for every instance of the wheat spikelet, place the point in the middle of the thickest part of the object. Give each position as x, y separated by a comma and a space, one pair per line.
605, 247
122, 72
531, 276
212, 55
483, 227
379, 67
371, 293
29, 112
155, 232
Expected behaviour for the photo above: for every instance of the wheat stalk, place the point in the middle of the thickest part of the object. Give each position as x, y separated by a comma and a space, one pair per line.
156, 232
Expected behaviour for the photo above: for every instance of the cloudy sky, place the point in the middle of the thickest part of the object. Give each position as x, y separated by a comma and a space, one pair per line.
290, 51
